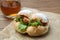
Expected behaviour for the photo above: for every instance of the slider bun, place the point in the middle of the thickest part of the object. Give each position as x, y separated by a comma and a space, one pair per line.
40, 30
39, 16
25, 12
33, 31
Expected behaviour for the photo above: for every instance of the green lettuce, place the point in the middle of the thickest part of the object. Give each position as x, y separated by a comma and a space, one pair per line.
22, 27
17, 19
36, 23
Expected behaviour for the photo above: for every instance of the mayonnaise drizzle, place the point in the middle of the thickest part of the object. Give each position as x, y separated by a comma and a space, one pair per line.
40, 15
25, 12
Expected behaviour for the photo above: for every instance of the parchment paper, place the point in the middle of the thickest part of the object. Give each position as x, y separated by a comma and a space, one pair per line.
9, 32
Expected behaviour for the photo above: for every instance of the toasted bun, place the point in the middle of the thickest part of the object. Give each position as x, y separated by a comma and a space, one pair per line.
40, 30
33, 31
25, 12
39, 16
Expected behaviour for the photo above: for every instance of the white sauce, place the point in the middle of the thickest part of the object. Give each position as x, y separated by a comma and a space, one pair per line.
40, 15
25, 12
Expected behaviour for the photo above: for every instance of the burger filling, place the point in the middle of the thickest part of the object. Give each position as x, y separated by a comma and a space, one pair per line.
25, 22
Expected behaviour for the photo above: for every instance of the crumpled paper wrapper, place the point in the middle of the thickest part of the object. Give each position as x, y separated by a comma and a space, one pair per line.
9, 33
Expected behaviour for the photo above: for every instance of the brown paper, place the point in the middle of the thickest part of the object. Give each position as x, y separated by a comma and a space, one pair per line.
9, 32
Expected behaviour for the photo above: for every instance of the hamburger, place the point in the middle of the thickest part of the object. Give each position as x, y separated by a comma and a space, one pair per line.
34, 24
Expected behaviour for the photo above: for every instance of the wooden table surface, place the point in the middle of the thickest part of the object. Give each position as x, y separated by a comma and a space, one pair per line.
43, 5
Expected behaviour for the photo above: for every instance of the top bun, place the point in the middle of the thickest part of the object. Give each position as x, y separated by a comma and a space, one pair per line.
39, 16
25, 13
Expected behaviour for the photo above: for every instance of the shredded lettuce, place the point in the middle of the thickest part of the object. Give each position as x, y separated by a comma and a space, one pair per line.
36, 23
22, 27
17, 19
39, 23
21, 21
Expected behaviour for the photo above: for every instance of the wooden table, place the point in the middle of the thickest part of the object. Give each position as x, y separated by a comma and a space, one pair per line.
43, 5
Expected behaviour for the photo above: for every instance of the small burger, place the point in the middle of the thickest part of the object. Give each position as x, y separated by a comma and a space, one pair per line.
34, 24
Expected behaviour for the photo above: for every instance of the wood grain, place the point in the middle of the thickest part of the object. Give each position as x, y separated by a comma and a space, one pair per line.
43, 5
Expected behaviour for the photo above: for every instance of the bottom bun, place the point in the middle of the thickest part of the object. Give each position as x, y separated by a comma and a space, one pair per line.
33, 31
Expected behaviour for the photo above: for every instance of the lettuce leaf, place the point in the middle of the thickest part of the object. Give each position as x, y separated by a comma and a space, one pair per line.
17, 19
36, 23
39, 23
22, 27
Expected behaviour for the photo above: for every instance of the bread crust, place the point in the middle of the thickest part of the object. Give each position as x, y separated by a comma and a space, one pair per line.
35, 31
